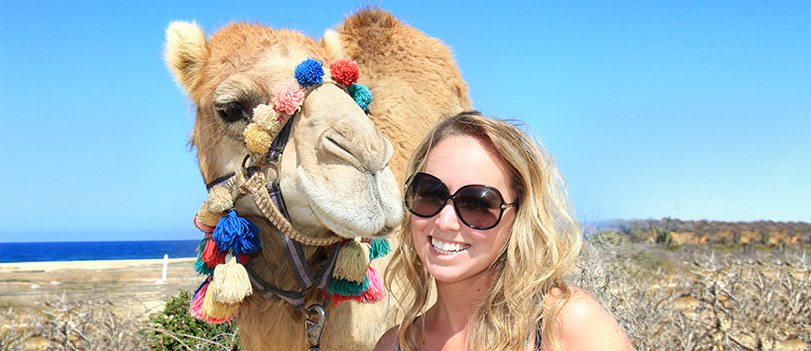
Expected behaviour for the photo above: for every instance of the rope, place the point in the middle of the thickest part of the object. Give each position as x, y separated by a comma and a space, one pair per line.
256, 186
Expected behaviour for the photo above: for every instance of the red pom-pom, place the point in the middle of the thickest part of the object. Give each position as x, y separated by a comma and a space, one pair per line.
344, 71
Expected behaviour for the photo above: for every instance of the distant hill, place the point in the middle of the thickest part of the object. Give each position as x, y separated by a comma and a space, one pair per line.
676, 231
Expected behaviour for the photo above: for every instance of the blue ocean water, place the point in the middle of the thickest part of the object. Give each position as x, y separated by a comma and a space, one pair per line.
96, 250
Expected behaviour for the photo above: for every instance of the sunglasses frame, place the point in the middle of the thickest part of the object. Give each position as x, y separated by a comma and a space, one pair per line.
452, 197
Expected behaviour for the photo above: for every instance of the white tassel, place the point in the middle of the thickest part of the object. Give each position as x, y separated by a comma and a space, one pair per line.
231, 283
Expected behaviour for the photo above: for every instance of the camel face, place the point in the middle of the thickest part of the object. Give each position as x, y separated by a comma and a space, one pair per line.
333, 174
339, 175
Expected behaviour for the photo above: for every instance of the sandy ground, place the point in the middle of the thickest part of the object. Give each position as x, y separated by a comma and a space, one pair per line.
128, 283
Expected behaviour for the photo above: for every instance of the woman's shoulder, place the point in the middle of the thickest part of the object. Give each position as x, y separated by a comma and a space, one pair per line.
579, 310
388, 342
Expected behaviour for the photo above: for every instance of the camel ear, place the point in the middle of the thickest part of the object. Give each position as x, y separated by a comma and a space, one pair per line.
332, 41
186, 52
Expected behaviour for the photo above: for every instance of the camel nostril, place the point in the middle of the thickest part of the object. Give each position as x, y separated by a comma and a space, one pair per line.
338, 146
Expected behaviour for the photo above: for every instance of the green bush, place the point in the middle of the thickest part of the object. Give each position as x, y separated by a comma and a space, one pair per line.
175, 329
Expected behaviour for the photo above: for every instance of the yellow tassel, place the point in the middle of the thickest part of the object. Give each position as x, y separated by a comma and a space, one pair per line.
206, 217
218, 310
219, 200
231, 283
256, 139
353, 261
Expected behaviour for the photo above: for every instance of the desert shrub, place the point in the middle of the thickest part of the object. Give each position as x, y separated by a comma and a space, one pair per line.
174, 328
740, 299
72, 323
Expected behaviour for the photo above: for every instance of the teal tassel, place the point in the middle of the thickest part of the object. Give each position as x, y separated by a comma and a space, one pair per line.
347, 288
380, 247
202, 268
199, 266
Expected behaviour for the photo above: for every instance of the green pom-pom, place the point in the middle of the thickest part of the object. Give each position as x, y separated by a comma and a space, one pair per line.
361, 94
380, 247
346, 288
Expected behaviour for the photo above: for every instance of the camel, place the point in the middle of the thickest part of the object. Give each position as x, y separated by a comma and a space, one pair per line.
342, 167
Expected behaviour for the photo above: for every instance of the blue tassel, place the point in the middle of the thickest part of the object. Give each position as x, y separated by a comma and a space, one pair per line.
361, 94
309, 72
236, 234
379, 248
347, 288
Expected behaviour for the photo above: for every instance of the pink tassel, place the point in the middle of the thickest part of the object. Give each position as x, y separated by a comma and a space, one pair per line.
375, 292
196, 306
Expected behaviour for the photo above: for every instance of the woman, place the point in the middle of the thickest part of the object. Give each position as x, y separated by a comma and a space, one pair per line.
490, 226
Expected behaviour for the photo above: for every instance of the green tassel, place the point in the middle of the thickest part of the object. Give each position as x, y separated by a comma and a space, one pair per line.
347, 288
380, 247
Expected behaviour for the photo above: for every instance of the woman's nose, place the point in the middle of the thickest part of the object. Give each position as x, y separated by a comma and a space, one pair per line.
447, 220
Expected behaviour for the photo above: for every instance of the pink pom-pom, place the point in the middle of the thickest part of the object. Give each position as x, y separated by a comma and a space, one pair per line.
203, 228
212, 255
344, 71
287, 96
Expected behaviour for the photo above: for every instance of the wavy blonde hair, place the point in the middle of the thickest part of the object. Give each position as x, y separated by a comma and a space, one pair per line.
544, 243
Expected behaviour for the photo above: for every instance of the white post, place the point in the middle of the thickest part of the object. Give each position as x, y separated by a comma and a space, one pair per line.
165, 266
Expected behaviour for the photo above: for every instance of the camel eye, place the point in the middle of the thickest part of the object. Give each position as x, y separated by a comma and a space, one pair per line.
231, 112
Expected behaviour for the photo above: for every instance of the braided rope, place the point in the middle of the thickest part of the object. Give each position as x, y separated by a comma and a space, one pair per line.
256, 186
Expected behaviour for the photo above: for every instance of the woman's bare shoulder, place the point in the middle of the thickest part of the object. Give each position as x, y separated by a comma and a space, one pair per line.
388, 342
583, 324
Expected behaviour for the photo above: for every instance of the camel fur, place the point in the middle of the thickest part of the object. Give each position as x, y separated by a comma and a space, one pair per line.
342, 170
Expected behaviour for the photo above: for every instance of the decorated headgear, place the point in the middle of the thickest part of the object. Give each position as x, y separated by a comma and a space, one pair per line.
230, 240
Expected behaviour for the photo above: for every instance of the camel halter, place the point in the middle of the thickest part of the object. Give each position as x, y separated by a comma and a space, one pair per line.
230, 240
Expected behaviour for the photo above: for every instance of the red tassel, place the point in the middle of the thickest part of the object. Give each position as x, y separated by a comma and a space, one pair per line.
212, 255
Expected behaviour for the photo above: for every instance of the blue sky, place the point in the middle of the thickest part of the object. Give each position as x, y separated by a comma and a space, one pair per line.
688, 109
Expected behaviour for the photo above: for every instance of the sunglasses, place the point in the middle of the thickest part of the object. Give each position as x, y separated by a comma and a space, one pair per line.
478, 206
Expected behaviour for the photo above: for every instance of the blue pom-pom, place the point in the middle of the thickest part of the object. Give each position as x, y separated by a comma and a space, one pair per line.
236, 234
347, 288
309, 72
379, 247
361, 94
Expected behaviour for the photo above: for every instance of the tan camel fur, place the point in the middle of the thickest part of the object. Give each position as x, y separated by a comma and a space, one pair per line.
334, 173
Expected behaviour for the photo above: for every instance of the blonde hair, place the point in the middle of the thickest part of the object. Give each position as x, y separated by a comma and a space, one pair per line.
544, 243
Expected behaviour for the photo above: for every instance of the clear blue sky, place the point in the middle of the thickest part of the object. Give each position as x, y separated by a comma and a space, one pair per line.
688, 109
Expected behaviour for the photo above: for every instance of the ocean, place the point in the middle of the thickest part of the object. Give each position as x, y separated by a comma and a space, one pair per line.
96, 250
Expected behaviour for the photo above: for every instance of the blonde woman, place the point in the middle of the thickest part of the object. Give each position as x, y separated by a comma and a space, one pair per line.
490, 228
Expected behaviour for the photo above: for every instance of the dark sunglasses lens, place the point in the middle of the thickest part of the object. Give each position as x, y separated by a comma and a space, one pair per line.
478, 206
425, 195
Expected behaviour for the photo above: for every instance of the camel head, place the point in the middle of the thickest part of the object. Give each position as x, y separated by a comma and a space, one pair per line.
333, 174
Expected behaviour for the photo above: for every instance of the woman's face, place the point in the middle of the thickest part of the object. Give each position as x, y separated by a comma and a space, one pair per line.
450, 250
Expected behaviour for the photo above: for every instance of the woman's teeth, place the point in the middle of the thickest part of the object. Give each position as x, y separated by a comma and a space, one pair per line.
447, 248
